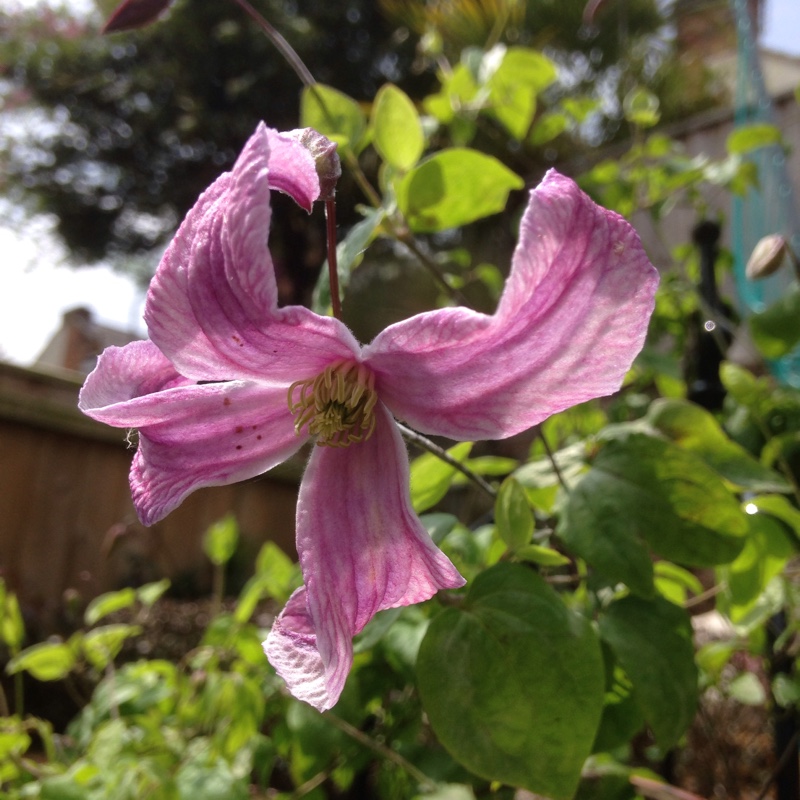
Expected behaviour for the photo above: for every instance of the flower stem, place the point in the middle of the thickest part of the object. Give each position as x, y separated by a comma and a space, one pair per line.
285, 49
439, 452
333, 267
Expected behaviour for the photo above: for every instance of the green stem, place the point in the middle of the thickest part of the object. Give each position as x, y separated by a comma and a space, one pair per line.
553, 461
390, 755
440, 452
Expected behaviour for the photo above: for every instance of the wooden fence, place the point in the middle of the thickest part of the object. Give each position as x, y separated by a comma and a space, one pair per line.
68, 530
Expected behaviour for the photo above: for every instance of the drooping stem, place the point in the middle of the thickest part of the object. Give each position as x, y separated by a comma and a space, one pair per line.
285, 49
426, 444
333, 267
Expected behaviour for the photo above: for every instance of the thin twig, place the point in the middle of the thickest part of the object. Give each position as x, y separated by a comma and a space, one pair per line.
390, 755
703, 596
333, 267
553, 461
426, 444
789, 751
310, 784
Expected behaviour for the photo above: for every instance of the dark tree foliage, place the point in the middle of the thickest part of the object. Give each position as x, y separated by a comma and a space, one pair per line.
147, 119
143, 121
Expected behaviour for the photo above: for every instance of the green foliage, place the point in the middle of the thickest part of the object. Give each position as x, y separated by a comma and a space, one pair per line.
221, 539
652, 640
453, 188
572, 636
525, 701
397, 131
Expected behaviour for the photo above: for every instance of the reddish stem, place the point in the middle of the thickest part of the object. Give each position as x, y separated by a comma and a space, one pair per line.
333, 273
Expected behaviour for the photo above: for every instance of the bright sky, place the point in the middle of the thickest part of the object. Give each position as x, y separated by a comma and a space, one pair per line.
36, 287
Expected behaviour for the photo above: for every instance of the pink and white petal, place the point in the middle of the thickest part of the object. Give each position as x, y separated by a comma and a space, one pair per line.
209, 435
572, 318
292, 169
362, 549
212, 305
124, 387
291, 648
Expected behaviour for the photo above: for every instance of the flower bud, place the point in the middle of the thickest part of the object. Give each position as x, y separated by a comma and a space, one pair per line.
326, 160
767, 257
132, 14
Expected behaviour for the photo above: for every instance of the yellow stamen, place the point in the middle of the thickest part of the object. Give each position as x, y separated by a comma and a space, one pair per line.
337, 405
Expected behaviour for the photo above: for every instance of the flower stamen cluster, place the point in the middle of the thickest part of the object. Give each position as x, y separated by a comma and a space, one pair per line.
337, 405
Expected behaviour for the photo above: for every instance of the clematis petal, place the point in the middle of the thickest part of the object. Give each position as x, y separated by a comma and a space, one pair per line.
212, 305
362, 549
291, 648
190, 435
571, 320
123, 389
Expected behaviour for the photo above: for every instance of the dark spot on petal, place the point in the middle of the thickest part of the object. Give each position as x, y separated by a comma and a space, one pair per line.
258, 437
238, 447
239, 429
226, 401
255, 427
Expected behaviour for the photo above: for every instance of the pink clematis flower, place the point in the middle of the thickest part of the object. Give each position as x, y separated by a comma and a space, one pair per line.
230, 385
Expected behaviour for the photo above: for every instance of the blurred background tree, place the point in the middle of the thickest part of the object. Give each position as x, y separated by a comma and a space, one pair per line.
117, 135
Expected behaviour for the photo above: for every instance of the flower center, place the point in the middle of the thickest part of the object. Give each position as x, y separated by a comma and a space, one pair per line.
338, 405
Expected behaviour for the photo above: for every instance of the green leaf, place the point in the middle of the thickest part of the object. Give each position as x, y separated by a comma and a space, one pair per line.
102, 645
12, 627
673, 582
695, 429
454, 187
785, 690
767, 549
513, 682
438, 525
333, 114
747, 138
640, 490
220, 540
747, 390
108, 603
514, 86
214, 781
48, 661
513, 515
431, 477
349, 253
544, 556
548, 126
776, 330
652, 640
150, 593
641, 108
747, 689
398, 136
448, 791
779, 507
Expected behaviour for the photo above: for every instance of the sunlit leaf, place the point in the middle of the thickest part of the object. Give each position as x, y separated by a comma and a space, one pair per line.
513, 514
454, 187
220, 540
751, 137
431, 477
398, 136
108, 603
333, 114
47, 661
513, 682
776, 330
